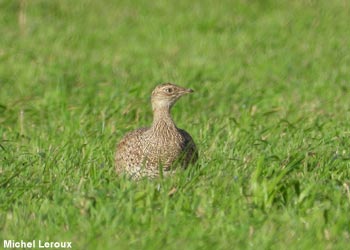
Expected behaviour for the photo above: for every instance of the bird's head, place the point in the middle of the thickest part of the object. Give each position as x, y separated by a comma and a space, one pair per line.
165, 95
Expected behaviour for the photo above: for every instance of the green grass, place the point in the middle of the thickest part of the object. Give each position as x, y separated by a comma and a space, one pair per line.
270, 115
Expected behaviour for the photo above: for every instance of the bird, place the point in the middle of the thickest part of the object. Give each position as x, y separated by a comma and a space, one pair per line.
158, 150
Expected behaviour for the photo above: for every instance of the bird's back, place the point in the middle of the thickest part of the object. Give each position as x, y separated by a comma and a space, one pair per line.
144, 152
130, 151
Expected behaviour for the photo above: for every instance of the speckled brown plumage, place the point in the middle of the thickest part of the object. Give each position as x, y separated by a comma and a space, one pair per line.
148, 152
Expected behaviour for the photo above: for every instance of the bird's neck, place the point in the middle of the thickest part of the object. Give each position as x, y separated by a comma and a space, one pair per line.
162, 119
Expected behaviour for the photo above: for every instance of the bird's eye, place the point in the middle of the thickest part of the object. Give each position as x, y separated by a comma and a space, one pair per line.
169, 90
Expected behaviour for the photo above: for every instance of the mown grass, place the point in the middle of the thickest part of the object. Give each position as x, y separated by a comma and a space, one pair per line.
270, 116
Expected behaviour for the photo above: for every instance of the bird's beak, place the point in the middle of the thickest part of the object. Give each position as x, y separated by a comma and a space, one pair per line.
187, 91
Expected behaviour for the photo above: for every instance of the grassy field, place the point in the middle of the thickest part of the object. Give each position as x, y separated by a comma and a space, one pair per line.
270, 115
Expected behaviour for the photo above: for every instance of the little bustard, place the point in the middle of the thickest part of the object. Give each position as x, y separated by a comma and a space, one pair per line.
148, 152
